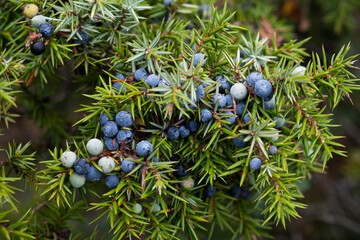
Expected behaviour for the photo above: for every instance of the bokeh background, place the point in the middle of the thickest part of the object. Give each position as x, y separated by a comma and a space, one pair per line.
333, 197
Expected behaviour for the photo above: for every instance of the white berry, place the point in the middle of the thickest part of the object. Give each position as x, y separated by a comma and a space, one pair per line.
68, 158
77, 180
299, 71
107, 164
38, 20
238, 91
138, 208
94, 146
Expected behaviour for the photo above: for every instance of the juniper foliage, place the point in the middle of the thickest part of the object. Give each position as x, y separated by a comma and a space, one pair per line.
131, 34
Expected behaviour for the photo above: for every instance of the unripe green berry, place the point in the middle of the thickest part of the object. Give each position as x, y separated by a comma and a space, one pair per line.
238, 91
77, 180
156, 208
68, 158
94, 146
138, 208
31, 10
37, 20
187, 183
107, 164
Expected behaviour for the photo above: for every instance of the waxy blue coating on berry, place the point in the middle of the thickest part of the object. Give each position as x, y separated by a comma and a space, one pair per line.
217, 97
119, 86
205, 115
124, 119
231, 119
46, 29
144, 148
124, 135
120, 76
111, 144
104, 118
255, 163
110, 129
209, 191
155, 159
152, 80
239, 142
273, 149
235, 191
81, 166
198, 57
223, 83
279, 121
127, 165
263, 89
93, 174
184, 131
167, 3
173, 133
194, 126
112, 181
253, 77
240, 108
84, 39
180, 171
248, 119
140, 74
200, 92
229, 100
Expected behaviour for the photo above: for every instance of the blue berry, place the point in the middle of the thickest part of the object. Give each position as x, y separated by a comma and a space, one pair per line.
37, 48
180, 171
112, 181
239, 142
144, 148
263, 88
268, 98
231, 119
200, 92
127, 165
248, 119
110, 129
219, 98
155, 159
104, 118
280, 121
223, 83
255, 163
140, 74
46, 29
93, 174
124, 119
235, 191
184, 131
198, 57
240, 108
229, 100
253, 77
167, 3
111, 144
119, 86
152, 80
84, 39
173, 133
124, 135
209, 191
272, 149
81, 166
194, 126
205, 115
120, 76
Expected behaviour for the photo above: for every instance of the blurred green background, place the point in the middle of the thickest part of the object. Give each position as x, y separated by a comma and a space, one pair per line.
333, 198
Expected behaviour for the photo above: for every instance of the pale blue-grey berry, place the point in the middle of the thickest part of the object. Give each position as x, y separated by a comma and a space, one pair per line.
110, 129
140, 74
187, 183
77, 180
238, 91
205, 115
137, 208
279, 121
68, 158
107, 164
272, 149
127, 165
124, 119
124, 135
255, 163
144, 148
299, 71
263, 88
38, 20
155, 208
152, 80
253, 77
